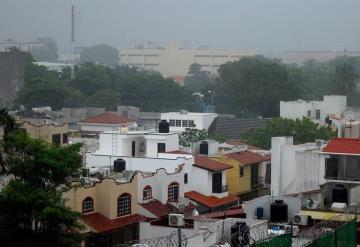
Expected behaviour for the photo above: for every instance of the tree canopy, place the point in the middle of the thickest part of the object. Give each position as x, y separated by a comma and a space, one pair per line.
48, 51
32, 209
303, 131
100, 54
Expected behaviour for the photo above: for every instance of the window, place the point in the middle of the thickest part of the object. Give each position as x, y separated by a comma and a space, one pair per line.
171, 122
56, 138
173, 192
317, 114
178, 123
308, 113
241, 171
186, 178
217, 182
185, 123
65, 138
124, 204
147, 192
87, 205
191, 123
161, 147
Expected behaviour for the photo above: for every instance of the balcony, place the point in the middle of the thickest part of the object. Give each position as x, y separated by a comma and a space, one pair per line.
220, 189
343, 168
257, 182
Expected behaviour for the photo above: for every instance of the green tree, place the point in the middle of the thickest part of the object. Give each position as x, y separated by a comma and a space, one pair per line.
32, 210
344, 81
100, 54
7, 122
255, 85
48, 51
303, 131
197, 80
192, 135
105, 98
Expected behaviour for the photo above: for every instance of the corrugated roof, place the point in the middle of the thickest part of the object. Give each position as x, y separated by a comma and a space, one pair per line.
247, 157
209, 164
102, 224
343, 146
211, 201
107, 118
234, 127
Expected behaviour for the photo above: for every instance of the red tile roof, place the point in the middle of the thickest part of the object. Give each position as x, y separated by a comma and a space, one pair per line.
102, 224
343, 146
209, 164
247, 157
157, 208
237, 213
211, 201
107, 118
177, 152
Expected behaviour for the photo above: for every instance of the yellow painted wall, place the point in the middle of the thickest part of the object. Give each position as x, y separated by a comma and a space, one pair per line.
105, 196
237, 184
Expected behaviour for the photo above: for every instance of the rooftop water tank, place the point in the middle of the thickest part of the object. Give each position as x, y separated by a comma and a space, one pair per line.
278, 211
163, 126
119, 165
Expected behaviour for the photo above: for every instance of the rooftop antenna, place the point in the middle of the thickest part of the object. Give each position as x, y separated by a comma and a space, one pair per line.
72, 76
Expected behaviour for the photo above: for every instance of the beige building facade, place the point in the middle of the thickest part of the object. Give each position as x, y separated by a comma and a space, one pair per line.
49, 132
173, 61
105, 196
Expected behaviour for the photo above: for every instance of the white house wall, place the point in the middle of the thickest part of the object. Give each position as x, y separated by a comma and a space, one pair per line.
201, 120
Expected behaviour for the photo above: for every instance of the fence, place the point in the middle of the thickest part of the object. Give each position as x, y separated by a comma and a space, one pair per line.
277, 241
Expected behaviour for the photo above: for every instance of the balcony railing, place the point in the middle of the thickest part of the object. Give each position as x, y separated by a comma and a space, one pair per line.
220, 189
258, 182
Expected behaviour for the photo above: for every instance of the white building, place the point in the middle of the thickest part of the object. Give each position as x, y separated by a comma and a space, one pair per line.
332, 106
173, 61
295, 168
179, 121
58, 67
106, 121
21, 45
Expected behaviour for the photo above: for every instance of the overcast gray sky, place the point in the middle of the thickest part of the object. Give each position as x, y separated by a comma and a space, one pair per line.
266, 26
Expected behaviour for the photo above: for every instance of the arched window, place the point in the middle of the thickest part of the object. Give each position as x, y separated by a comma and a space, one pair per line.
147, 192
87, 205
124, 204
173, 192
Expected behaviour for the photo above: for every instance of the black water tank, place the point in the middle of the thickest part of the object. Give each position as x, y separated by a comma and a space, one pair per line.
163, 126
119, 165
204, 147
339, 194
278, 211
235, 228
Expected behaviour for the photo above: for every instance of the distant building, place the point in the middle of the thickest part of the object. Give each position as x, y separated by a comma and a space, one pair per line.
12, 67
332, 106
172, 61
299, 56
57, 67
25, 46
179, 121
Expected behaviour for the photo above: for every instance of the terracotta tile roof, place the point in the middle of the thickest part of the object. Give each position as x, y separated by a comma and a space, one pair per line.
247, 157
177, 152
157, 208
209, 164
211, 201
102, 224
238, 143
107, 118
343, 146
236, 213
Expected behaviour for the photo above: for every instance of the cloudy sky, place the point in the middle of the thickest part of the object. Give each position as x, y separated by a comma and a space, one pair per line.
266, 26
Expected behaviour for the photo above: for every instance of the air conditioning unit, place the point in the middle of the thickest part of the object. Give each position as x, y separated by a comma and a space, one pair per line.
176, 220
301, 219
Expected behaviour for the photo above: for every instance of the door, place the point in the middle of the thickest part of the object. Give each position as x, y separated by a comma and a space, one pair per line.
254, 175
161, 147
133, 149
217, 182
